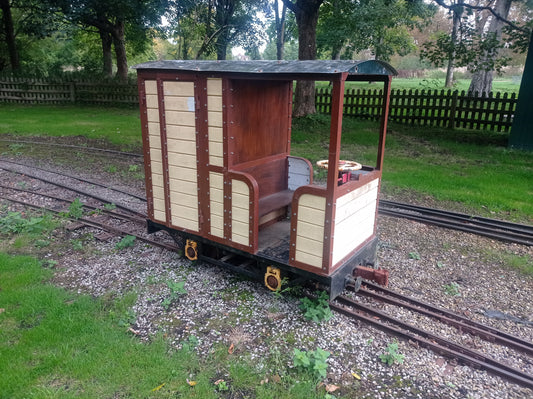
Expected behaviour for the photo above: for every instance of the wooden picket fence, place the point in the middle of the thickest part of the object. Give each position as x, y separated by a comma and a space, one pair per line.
38, 91
442, 108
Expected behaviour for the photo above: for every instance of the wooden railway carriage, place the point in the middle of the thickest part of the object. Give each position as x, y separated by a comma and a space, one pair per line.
217, 138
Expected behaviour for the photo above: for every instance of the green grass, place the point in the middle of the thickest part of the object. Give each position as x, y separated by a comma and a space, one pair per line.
120, 126
54, 344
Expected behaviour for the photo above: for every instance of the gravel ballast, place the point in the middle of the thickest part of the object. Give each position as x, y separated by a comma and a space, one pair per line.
461, 272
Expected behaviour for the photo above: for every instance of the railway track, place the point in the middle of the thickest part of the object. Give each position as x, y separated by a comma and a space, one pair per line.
496, 229
445, 347
491, 228
130, 222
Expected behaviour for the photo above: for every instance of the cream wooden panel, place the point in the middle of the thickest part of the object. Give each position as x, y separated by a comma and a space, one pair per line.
159, 204
180, 218
157, 180
159, 193
187, 174
310, 241
243, 240
155, 156
183, 160
216, 161
215, 149
373, 185
240, 204
154, 140
182, 132
240, 214
217, 232
344, 239
150, 87
312, 201
183, 186
184, 199
160, 215
181, 146
180, 118
179, 103
215, 134
309, 259
311, 215
239, 187
214, 119
349, 209
157, 168
185, 89
151, 101
216, 203
152, 115
312, 231
216, 180
214, 87
354, 219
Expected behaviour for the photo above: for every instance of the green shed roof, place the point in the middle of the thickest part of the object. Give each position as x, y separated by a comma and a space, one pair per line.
311, 67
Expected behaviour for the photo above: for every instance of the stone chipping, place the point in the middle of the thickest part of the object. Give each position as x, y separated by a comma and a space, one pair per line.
464, 273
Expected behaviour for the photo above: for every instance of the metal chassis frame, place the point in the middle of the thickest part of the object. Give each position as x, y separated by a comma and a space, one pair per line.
335, 283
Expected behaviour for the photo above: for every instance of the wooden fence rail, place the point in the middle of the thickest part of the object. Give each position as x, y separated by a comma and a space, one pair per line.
442, 108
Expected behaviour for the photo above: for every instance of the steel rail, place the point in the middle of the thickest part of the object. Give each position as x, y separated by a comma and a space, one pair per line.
90, 207
461, 323
83, 180
430, 341
78, 147
99, 225
79, 191
491, 228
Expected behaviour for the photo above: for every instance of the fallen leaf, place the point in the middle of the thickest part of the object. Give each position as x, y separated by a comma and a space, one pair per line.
219, 381
191, 383
265, 381
276, 378
356, 376
159, 387
131, 330
331, 388
2, 310
231, 349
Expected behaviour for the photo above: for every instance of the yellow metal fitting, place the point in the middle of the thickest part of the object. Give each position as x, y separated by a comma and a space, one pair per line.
273, 278
191, 250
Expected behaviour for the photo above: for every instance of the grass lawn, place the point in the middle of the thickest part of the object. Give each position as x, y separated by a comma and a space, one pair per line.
120, 126
55, 344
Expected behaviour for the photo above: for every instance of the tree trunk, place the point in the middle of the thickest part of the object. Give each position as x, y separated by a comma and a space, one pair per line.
457, 14
306, 12
482, 80
9, 31
120, 51
107, 55
280, 29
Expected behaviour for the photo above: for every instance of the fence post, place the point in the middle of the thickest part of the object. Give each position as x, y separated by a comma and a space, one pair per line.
72, 92
453, 109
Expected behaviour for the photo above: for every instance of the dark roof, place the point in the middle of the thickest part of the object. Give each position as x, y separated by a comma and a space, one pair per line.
314, 67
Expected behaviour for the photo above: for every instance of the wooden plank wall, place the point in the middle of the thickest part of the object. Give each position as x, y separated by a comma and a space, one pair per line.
240, 212
310, 230
354, 219
154, 133
180, 119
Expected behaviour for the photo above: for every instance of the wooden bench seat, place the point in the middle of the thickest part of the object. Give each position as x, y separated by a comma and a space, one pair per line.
274, 201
